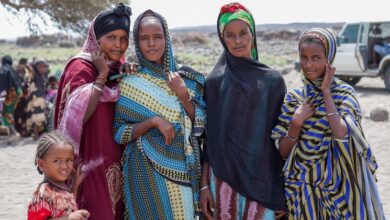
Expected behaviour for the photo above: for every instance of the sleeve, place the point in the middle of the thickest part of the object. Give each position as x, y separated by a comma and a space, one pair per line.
290, 104
79, 73
200, 115
39, 208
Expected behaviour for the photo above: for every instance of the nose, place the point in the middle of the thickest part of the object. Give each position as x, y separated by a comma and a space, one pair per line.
237, 39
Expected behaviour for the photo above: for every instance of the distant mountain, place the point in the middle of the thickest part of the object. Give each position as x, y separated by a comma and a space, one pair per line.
264, 27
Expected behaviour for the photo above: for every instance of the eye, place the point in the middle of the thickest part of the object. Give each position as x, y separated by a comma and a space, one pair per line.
56, 161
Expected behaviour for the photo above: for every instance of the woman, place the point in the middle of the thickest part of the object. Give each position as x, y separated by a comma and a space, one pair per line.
35, 110
329, 172
85, 111
158, 116
241, 172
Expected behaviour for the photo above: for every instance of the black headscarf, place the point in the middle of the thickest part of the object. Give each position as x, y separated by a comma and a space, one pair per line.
243, 98
113, 19
8, 76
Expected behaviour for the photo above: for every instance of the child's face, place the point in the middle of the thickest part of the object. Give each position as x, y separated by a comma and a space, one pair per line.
312, 59
57, 164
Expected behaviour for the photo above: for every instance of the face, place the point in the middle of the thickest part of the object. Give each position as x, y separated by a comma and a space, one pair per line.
42, 68
238, 38
152, 40
312, 60
57, 164
114, 44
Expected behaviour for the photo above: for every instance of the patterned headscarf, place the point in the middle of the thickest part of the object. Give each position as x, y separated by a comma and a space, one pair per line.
327, 39
236, 11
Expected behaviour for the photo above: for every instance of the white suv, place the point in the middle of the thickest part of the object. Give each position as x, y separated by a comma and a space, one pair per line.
356, 56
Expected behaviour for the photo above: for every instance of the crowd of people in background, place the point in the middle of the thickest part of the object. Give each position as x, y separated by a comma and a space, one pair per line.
27, 95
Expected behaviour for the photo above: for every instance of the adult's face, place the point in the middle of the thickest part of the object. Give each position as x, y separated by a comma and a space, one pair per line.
114, 44
151, 40
238, 38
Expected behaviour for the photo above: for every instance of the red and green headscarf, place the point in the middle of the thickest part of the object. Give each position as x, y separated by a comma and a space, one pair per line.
236, 11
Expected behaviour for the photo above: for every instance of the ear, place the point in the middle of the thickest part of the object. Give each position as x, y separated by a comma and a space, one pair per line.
41, 164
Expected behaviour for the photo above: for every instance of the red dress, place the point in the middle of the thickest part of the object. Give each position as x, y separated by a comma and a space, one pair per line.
50, 201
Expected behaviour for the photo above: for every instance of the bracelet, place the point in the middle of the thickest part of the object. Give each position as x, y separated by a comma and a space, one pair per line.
97, 88
292, 138
204, 188
332, 113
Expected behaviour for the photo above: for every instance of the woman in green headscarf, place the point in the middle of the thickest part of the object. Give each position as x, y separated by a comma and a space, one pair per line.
241, 167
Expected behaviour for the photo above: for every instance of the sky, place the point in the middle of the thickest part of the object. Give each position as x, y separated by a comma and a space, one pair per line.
185, 13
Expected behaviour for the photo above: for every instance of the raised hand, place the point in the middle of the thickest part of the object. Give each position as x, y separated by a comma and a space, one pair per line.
177, 84
303, 112
328, 78
165, 127
99, 60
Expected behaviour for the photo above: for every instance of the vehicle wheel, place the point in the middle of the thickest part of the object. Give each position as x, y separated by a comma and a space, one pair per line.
351, 80
387, 78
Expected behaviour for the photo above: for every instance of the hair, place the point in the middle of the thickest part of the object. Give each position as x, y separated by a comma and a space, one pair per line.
49, 141
52, 79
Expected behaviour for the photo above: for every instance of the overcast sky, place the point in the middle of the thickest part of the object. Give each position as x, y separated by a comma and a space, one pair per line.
180, 13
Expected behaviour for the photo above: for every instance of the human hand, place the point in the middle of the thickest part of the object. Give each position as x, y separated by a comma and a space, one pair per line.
328, 78
78, 177
129, 68
177, 84
165, 127
303, 112
81, 214
99, 60
207, 203
279, 214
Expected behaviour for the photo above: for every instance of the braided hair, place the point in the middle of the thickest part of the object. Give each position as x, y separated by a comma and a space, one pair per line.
48, 141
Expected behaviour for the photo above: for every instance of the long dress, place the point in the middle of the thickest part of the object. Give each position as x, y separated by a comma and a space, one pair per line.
161, 181
328, 178
100, 191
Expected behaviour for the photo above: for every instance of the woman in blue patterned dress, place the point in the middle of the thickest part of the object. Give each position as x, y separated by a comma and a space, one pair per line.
158, 116
329, 172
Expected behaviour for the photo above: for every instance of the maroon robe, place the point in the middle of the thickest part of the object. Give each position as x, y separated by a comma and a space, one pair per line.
100, 192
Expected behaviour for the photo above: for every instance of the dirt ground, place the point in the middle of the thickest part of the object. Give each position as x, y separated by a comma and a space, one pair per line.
19, 176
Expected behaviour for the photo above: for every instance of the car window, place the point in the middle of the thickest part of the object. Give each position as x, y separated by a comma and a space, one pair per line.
350, 34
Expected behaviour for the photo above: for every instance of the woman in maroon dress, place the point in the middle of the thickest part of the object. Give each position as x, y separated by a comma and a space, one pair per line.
85, 111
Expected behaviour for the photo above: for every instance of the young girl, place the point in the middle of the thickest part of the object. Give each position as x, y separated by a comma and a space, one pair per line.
329, 172
53, 199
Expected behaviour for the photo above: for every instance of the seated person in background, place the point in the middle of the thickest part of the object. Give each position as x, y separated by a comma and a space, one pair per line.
382, 48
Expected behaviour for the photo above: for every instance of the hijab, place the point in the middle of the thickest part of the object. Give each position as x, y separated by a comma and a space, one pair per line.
243, 98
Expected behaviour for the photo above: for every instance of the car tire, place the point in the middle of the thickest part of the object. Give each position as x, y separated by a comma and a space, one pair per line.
351, 80
387, 78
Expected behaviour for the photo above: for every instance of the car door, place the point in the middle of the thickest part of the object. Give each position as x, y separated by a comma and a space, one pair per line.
346, 60
361, 50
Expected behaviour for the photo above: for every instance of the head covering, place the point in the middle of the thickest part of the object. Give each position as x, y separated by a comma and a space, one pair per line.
327, 39
194, 81
317, 152
112, 19
243, 98
40, 79
6, 60
236, 11
169, 63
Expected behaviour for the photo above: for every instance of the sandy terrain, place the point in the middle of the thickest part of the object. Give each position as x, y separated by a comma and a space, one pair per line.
19, 176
